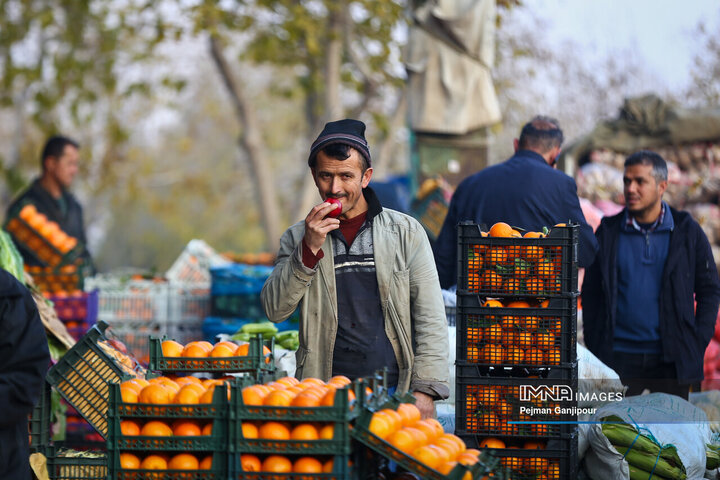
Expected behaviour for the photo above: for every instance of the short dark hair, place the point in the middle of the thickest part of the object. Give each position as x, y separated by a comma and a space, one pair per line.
647, 157
340, 151
55, 146
541, 134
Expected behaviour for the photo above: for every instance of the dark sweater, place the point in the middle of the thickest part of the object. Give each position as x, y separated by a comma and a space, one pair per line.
640, 262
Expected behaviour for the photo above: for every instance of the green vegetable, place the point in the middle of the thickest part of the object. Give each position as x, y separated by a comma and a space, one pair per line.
649, 463
289, 343
280, 336
259, 327
640, 474
240, 336
712, 458
10, 258
624, 435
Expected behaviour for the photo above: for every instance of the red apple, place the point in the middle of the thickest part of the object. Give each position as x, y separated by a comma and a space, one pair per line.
338, 209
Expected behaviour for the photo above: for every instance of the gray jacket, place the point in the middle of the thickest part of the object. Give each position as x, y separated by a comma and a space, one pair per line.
412, 302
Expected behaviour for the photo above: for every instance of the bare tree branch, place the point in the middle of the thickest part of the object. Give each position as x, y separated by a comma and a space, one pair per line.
251, 140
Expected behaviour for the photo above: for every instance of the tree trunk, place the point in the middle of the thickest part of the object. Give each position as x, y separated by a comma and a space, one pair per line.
332, 98
251, 140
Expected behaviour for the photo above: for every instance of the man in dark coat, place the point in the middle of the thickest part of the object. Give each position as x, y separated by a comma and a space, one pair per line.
654, 263
24, 360
51, 196
524, 191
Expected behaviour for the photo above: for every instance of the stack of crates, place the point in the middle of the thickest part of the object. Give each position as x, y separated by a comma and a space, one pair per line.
132, 455
235, 298
516, 362
138, 308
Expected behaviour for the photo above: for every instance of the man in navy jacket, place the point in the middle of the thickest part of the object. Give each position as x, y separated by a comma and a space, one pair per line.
524, 191
24, 360
638, 296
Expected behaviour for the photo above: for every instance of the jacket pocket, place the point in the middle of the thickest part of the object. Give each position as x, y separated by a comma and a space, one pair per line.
300, 357
400, 289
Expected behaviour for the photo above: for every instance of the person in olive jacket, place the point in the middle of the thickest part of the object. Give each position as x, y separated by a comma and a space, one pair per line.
654, 263
24, 360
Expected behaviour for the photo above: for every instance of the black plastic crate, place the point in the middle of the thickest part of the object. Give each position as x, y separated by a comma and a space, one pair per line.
83, 375
556, 460
518, 337
66, 464
517, 408
39, 424
517, 267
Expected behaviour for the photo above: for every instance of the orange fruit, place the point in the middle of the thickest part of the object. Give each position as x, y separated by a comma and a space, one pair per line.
394, 417
492, 353
427, 456
327, 432
154, 462
409, 413
467, 458
428, 429
274, 431
249, 430
183, 461
490, 280
206, 463
186, 428
129, 428
531, 445
222, 350
129, 394
458, 441
304, 431
250, 463
207, 429
193, 350
328, 466
306, 398
380, 425
307, 465
156, 428
341, 379
449, 446
155, 394
500, 229
403, 440
433, 422
278, 398
188, 395
171, 348
129, 461
446, 467
253, 395
277, 464
288, 381
312, 381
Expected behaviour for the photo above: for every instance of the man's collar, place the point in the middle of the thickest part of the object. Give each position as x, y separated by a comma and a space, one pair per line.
532, 154
374, 206
664, 221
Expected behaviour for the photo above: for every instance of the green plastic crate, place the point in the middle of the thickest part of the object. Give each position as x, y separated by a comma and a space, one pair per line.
65, 464
217, 412
219, 470
39, 424
341, 470
361, 433
84, 373
254, 362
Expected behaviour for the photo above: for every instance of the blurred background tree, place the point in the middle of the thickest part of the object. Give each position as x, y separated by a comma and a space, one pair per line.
196, 117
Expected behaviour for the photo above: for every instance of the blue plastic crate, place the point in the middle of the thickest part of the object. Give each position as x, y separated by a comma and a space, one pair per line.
238, 279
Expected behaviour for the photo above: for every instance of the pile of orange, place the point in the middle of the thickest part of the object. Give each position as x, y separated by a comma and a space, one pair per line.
203, 349
164, 461
490, 410
41, 232
286, 464
524, 268
519, 339
422, 439
533, 467
165, 390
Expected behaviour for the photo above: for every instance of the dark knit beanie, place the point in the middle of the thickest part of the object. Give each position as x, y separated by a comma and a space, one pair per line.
350, 132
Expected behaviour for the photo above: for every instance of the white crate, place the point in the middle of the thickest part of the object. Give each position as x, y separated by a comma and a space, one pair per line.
136, 336
189, 305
